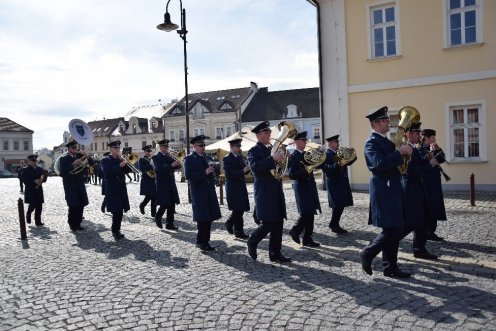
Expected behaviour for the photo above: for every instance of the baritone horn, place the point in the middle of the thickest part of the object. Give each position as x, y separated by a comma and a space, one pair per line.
408, 115
286, 130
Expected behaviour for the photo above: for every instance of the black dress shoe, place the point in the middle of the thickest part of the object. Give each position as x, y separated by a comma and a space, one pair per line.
434, 237
396, 273
366, 263
39, 224
229, 227
28, 219
425, 255
242, 236
142, 209
279, 258
338, 229
79, 228
117, 235
170, 226
153, 213
294, 236
311, 244
159, 223
252, 251
207, 248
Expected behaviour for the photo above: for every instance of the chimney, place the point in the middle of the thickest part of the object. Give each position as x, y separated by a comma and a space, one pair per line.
254, 87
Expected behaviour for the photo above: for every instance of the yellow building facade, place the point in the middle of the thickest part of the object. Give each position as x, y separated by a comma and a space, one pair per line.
438, 56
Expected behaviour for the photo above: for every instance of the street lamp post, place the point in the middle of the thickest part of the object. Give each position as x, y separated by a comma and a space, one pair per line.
169, 26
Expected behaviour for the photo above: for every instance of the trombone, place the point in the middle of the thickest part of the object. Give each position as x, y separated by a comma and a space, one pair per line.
130, 159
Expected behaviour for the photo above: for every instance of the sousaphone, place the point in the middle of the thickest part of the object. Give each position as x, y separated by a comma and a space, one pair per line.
82, 133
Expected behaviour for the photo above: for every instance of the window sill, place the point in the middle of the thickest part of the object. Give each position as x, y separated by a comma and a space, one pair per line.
384, 58
471, 45
459, 161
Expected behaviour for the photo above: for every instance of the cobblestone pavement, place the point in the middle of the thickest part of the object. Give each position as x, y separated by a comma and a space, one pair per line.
158, 279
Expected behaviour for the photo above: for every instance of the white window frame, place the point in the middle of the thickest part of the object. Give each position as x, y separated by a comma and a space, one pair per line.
172, 135
229, 130
199, 131
479, 25
217, 130
370, 28
314, 130
449, 151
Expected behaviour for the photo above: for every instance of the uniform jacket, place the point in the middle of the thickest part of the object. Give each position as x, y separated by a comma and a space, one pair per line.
337, 182
32, 194
307, 197
203, 196
74, 189
269, 197
147, 184
237, 195
386, 192
116, 198
166, 193
102, 176
434, 192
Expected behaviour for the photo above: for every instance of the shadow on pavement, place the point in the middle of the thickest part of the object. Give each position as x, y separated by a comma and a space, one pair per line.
140, 249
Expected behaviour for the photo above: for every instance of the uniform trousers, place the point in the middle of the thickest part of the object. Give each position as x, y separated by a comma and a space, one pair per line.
116, 221
336, 217
203, 235
236, 219
388, 242
37, 208
21, 184
304, 224
147, 199
419, 238
75, 217
275, 241
171, 209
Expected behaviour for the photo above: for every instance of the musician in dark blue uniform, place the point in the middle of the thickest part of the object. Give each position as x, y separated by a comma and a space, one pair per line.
20, 168
101, 177
337, 183
235, 169
386, 196
33, 176
416, 208
307, 197
166, 194
269, 196
115, 168
432, 184
147, 184
200, 170
74, 185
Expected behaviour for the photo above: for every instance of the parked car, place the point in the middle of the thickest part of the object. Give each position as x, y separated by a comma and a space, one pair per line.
6, 174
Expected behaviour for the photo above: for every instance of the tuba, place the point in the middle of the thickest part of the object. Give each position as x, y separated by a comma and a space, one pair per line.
83, 135
408, 115
345, 156
286, 130
313, 157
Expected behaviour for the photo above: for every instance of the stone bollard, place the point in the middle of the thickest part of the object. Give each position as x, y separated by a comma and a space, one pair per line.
22, 221
472, 190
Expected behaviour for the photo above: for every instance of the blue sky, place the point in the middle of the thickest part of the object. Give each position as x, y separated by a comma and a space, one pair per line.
91, 59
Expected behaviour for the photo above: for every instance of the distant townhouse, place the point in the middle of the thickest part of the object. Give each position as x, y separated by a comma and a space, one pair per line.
16, 143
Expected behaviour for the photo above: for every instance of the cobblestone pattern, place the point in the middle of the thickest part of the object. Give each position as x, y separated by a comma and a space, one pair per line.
158, 279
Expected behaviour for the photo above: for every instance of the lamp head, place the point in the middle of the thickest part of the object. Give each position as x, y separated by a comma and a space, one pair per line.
167, 25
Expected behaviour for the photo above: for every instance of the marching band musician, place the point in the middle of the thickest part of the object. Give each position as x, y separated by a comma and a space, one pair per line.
166, 194
237, 195
20, 168
114, 168
337, 183
74, 188
33, 176
101, 177
269, 196
432, 185
200, 171
416, 208
386, 196
147, 184
307, 197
